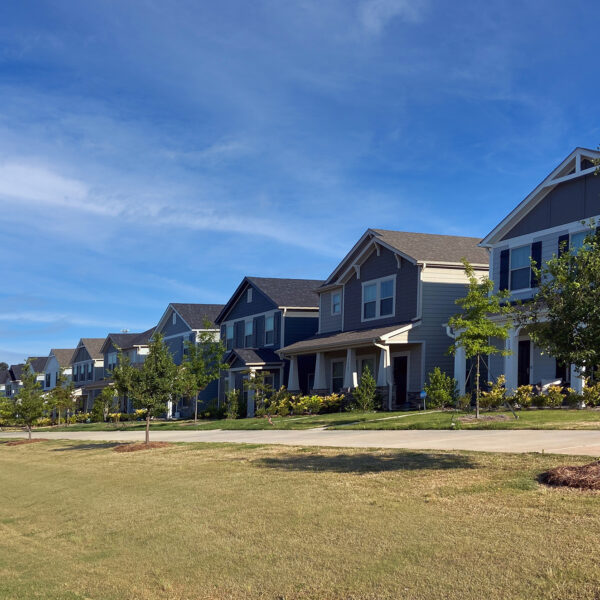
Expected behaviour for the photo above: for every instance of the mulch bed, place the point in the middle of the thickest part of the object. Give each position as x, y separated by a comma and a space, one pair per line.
586, 477
473, 419
141, 446
21, 442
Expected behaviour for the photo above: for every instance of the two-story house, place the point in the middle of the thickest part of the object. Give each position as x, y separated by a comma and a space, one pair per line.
182, 323
87, 364
263, 315
556, 215
4, 380
385, 307
58, 361
13, 377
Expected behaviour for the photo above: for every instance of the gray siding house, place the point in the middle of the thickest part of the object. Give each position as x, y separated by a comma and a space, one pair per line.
11, 379
554, 217
263, 315
58, 361
87, 365
182, 323
385, 307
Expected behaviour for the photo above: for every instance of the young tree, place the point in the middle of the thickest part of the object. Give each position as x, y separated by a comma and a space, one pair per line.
202, 364
473, 328
365, 393
104, 402
156, 383
62, 397
125, 376
257, 383
28, 405
563, 319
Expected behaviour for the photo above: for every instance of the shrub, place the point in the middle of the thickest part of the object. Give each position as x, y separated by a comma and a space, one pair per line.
115, 417
554, 396
523, 397
441, 389
591, 393
43, 422
574, 400
495, 396
365, 393
232, 404
464, 402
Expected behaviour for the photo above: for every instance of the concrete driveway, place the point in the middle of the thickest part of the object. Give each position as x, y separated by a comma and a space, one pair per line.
558, 442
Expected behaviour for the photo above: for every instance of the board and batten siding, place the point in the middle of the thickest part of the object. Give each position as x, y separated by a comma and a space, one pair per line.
170, 328
328, 322
242, 308
297, 329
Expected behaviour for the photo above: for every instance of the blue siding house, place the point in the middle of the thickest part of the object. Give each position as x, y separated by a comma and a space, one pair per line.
263, 315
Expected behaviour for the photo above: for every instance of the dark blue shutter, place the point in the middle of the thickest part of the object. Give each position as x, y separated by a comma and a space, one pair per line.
563, 244
504, 266
238, 330
277, 329
256, 341
536, 257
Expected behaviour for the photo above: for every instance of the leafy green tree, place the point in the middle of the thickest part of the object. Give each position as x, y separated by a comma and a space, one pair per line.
258, 383
365, 393
104, 403
62, 397
28, 405
441, 389
202, 364
3, 366
156, 384
125, 376
563, 319
474, 329
232, 404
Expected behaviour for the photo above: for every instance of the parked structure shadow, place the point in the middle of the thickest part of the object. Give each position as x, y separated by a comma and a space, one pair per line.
369, 463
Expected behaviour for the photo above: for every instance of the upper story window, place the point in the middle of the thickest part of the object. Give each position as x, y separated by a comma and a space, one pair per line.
269, 330
249, 330
174, 318
90, 370
48, 379
520, 268
336, 303
229, 336
112, 360
378, 298
249, 295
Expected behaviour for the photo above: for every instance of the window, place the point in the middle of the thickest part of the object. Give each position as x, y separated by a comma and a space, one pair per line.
269, 330
520, 268
337, 375
577, 239
249, 295
249, 331
90, 370
367, 363
174, 318
48, 380
112, 360
229, 336
336, 303
378, 298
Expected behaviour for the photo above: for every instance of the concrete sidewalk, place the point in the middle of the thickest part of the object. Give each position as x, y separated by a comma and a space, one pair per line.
558, 442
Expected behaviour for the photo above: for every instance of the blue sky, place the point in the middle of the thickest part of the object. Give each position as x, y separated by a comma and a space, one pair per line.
153, 152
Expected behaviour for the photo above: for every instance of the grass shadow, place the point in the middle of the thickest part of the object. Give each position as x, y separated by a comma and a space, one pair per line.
368, 463
93, 446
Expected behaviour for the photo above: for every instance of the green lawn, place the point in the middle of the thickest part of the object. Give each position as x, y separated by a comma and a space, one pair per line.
528, 419
78, 520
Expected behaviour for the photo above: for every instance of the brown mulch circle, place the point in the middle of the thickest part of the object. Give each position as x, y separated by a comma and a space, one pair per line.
21, 442
141, 446
586, 477
473, 419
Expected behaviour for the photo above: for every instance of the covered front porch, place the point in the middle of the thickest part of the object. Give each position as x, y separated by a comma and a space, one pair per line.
341, 359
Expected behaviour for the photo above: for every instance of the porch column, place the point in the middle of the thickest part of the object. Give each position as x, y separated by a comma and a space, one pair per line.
350, 375
293, 384
577, 379
250, 405
460, 369
384, 366
169, 409
511, 362
320, 372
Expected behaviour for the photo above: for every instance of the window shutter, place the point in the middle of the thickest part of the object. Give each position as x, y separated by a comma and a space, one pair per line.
504, 264
536, 256
223, 333
277, 329
563, 244
256, 338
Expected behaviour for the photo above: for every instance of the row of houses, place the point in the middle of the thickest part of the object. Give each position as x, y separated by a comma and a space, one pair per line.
384, 307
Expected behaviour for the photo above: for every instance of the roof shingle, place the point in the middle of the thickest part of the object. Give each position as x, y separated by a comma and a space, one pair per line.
195, 314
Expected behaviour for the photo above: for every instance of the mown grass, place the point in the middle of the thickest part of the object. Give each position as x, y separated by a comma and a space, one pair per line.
232, 521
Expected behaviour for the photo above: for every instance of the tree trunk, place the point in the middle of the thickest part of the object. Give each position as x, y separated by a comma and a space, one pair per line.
195, 408
148, 427
58, 416
29, 430
477, 390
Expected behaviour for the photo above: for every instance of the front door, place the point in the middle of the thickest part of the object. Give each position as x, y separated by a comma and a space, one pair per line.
524, 362
400, 378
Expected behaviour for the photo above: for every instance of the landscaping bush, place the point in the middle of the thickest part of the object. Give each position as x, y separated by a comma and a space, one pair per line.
43, 422
591, 393
573, 399
232, 404
464, 402
495, 396
523, 396
441, 389
364, 394
554, 397
216, 411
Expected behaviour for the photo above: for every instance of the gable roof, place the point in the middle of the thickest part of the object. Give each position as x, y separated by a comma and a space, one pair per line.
38, 363
195, 314
577, 164
253, 356
124, 341
15, 371
93, 346
4, 376
63, 355
284, 293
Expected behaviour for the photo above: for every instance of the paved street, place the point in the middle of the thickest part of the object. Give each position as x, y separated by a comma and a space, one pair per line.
560, 442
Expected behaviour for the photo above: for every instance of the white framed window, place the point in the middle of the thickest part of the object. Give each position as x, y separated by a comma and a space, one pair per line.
229, 336
520, 268
336, 303
576, 240
337, 375
249, 330
378, 298
269, 330
249, 295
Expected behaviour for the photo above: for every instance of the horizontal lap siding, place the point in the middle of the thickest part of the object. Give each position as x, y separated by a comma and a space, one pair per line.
330, 322
299, 328
173, 329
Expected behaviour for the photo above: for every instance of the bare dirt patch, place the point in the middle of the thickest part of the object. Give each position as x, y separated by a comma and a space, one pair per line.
141, 446
473, 419
586, 477
21, 442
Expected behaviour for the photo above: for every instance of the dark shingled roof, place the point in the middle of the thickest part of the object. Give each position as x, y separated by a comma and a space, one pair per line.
63, 355
253, 356
195, 314
341, 339
38, 363
4, 376
429, 247
16, 371
129, 340
93, 346
289, 292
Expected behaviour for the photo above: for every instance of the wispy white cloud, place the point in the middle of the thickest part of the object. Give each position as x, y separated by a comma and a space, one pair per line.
67, 319
375, 15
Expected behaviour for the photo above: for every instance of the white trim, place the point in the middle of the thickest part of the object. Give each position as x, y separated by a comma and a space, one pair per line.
377, 282
510, 269
331, 362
